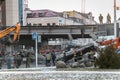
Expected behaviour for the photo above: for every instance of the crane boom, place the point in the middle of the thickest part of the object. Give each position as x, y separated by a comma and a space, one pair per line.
15, 29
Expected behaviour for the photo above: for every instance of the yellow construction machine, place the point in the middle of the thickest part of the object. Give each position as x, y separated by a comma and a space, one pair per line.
16, 29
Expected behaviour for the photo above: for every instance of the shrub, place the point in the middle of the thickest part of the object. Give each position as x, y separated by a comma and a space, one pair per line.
108, 59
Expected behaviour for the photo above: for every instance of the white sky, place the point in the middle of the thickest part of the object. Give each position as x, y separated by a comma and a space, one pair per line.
95, 6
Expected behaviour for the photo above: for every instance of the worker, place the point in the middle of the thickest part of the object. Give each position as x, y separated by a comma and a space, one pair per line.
28, 59
101, 19
108, 18
19, 59
48, 58
53, 57
75, 56
90, 54
1, 59
64, 56
9, 60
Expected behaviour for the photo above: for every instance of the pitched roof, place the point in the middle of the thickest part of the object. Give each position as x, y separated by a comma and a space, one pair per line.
45, 13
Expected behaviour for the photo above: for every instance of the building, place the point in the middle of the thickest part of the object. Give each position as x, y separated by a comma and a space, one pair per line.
49, 17
12, 11
1, 3
85, 18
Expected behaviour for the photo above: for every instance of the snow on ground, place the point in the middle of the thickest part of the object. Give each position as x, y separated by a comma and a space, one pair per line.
50, 73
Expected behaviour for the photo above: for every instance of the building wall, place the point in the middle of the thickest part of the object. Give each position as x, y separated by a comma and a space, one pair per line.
25, 14
51, 20
78, 15
12, 11
3, 13
43, 20
74, 14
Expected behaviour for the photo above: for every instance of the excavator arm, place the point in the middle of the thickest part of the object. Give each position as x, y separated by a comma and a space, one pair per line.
17, 32
15, 29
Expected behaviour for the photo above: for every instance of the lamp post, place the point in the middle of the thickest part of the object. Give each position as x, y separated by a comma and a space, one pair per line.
115, 27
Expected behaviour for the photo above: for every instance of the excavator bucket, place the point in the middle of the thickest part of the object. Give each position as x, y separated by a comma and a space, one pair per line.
17, 32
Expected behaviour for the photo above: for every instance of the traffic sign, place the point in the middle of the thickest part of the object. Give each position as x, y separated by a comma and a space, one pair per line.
34, 35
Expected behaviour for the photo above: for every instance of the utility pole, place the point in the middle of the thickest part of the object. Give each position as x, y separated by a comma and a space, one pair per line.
36, 50
35, 37
115, 27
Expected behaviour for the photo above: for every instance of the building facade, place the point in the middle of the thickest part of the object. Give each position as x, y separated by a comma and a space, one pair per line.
45, 17
48, 17
12, 11
85, 18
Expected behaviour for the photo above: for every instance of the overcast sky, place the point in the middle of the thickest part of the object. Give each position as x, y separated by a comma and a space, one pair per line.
95, 6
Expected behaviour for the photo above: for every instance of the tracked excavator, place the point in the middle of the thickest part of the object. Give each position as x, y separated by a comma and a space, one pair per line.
15, 29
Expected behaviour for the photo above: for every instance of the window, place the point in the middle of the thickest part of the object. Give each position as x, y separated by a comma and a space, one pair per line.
48, 24
29, 15
40, 24
34, 14
34, 24
53, 24
40, 14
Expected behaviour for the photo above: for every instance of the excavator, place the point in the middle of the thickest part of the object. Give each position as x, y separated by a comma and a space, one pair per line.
16, 29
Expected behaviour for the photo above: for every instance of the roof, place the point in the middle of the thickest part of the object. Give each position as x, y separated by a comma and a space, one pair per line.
45, 13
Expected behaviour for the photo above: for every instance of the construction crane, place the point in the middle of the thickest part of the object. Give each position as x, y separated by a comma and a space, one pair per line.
82, 6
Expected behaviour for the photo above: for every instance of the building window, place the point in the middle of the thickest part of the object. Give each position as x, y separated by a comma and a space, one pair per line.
48, 24
29, 15
34, 24
40, 24
34, 14
53, 24
41, 14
